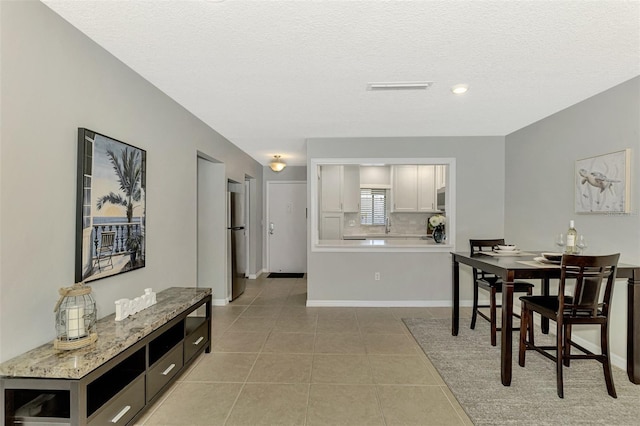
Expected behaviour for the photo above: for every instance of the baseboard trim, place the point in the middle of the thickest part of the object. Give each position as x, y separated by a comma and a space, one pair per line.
256, 275
219, 302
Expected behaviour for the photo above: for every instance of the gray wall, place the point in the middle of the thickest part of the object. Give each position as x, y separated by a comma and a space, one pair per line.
416, 277
539, 190
289, 173
54, 80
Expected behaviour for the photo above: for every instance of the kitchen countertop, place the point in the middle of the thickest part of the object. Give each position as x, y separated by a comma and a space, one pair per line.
392, 244
382, 236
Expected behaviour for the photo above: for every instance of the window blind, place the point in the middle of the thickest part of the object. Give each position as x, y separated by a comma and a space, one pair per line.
373, 206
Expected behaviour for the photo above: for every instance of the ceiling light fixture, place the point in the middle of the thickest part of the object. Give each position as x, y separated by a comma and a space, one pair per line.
277, 165
459, 89
400, 85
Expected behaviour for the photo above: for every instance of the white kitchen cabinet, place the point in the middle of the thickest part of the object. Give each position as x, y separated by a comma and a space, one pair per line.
413, 188
441, 176
351, 189
331, 192
331, 226
340, 188
404, 188
426, 188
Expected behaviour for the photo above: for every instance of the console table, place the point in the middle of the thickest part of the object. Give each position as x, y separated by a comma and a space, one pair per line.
112, 381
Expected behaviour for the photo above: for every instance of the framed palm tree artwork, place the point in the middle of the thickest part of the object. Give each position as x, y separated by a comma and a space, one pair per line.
111, 207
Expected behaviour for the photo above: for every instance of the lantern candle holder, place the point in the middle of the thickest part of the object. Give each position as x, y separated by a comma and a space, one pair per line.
76, 318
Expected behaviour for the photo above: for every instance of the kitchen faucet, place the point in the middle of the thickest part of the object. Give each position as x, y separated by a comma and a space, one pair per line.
387, 225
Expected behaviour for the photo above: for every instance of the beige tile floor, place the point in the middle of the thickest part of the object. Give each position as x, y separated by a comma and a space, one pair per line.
276, 362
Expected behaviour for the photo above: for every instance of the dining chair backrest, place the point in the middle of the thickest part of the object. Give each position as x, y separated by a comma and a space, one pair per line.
589, 274
485, 245
480, 246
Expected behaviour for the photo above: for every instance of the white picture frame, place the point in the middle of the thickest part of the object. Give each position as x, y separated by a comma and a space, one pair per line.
602, 183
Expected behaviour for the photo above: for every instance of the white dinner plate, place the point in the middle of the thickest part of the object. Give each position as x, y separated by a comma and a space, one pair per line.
506, 252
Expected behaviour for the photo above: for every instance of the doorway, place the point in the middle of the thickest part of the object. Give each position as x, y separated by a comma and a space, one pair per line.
287, 226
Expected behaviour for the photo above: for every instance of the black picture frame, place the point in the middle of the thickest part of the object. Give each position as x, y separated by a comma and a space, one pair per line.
110, 207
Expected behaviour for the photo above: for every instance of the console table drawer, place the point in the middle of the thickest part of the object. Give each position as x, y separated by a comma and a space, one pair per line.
123, 407
196, 340
164, 370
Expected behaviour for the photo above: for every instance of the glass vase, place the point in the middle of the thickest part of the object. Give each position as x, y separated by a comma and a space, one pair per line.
438, 234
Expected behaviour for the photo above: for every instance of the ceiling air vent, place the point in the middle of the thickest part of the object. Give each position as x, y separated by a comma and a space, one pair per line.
400, 85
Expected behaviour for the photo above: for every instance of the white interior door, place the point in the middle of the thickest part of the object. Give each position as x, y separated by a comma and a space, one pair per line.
287, 226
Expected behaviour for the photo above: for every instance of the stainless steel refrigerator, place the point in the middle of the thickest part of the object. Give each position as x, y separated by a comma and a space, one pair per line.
236, 239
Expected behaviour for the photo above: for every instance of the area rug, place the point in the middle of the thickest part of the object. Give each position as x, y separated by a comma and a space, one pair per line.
471, 368
286, 275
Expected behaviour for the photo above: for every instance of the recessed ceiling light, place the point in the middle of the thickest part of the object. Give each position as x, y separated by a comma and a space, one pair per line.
400, 85
459, 89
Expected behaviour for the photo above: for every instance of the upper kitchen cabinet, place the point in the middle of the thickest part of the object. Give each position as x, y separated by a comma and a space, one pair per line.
340, 188
427, 188
441, 177
331, 188
351, 189
413, 188
404, 188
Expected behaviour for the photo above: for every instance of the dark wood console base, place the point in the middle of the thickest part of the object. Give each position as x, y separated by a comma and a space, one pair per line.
80, 388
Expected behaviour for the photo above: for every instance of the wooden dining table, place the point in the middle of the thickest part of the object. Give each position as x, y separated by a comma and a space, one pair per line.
523, 266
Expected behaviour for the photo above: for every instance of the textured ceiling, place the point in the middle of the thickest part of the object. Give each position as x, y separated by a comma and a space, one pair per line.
269, 74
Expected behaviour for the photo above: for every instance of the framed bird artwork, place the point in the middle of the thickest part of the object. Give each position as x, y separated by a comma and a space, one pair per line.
603, 183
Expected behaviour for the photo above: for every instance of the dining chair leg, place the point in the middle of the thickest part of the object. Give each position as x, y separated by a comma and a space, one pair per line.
559, 357
608, 376
532, 340
474, 315
524, 321
567, 345
493, 315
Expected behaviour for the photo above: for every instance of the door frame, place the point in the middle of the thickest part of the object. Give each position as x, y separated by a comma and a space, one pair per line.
247, 225
266, 224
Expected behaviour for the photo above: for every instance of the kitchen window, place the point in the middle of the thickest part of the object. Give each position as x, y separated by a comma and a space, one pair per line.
373, 206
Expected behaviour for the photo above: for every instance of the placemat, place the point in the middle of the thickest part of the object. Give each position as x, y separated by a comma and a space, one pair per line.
520, 253
538, 264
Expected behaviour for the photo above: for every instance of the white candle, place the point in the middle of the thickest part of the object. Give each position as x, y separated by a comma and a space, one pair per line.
75, 322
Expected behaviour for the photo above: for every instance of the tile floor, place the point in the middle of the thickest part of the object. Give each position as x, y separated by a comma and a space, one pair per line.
276, 362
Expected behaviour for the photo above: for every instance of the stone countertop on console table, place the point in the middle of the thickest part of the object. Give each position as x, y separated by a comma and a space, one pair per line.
113, 338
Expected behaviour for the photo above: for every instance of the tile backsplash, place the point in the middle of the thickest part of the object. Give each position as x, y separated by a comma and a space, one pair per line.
401, 223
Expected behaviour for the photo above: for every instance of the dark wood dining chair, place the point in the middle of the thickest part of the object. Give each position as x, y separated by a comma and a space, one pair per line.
587, 305
492, 284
